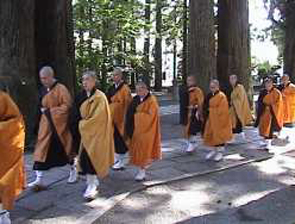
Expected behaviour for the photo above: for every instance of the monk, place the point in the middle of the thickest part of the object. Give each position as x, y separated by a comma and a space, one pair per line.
54, 142
96, 153
142, 130
217, 123
12, 139
119, 96
288, 92
270, 116
240, 112
193, 110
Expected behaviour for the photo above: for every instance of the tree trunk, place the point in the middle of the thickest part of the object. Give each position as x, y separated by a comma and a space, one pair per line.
184, 42
146, 50
233, 42
202, 62
158, 47
289, 52
17, 55
53, 27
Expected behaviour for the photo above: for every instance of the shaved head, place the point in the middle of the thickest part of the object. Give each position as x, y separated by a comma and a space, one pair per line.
214, 85
89, 80
46, 75
47, 71
233, 79
117, 75
285, 79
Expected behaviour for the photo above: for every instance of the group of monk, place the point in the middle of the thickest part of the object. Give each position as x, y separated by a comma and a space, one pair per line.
94, 132
220, 118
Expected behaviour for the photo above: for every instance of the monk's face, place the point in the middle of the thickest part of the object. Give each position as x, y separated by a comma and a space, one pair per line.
233, 80
88, 83
117, 77
285, 80
214, 87
190, 81
141, 91
46, 79
268, 85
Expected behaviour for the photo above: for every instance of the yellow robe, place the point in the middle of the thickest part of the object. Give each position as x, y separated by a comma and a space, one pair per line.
12, 138
240, 107
145, 144
218, 128
58, 101
273, 100
289, 103
96, 131
196, 98
119, 105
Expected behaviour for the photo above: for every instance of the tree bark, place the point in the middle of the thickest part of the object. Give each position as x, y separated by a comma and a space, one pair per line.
17, 72
53, 37
184, 42
233, 42
158, 47
146, 50
289, 52
202, 61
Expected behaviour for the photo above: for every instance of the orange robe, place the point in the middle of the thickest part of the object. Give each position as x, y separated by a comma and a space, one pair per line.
218, 128
272, 117
288, 93
119, 102
97, 132
196, 98
239, 107
12, 138
118, 106
145, 143
58, 102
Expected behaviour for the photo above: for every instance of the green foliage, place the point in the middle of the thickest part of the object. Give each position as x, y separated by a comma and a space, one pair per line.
104, 30
276, 14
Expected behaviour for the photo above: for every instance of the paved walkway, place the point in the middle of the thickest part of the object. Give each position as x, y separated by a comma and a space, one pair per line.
63, 203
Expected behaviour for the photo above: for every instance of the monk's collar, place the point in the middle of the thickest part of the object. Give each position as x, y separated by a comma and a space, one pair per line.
119, 84
91, 93
215, 93
52, 86
289, 83
271, 90
191, 88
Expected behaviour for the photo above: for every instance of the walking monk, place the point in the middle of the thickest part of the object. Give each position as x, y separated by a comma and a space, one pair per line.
270, 114
12, 138
96, 153
142, 129
54, 140
193, 110
119, 96
288, 92
239, 110
218, 127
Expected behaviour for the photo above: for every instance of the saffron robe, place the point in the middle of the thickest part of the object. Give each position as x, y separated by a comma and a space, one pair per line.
271, 116
96, 131
12, 138
288, 93
239, 107
218, 127
54, 141
196, 100
144, 139
119, 100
